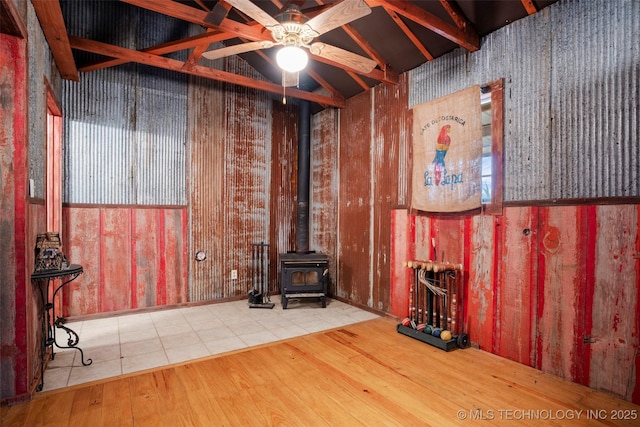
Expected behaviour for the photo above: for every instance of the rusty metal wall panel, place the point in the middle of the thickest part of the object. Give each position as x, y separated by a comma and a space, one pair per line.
206, 135
571, 98
404, 123
371, 180
284, 183
354, 275
37, 221
526, 139
173, 256
230, 176
389, 151
323, 215
248, 181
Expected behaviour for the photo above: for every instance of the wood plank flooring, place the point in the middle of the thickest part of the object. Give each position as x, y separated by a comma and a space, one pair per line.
363, 374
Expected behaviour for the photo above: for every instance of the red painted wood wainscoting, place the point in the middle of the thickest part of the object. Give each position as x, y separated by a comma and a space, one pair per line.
133, 257
555, 287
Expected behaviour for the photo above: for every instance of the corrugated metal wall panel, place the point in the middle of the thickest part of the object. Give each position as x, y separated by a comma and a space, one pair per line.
230, 171
120, 146
571, 98
355, 200
284, 182
405, 123
596, 99
248, 180
527, 152
206, 133
388, 159
323, 213
98, 130
39, 67
160, 169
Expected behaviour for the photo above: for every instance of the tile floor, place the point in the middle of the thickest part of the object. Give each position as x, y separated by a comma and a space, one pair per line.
129, 343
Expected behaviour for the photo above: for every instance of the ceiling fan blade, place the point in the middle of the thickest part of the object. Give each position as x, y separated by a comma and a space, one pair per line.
338, 15
236, 49
249, 8
350, 59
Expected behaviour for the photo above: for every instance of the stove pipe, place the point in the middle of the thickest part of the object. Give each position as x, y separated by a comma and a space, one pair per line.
304, 174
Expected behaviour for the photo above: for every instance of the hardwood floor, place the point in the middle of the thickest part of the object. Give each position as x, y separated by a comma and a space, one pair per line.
363, 374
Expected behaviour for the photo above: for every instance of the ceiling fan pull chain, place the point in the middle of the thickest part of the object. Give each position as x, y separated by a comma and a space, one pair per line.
284, 89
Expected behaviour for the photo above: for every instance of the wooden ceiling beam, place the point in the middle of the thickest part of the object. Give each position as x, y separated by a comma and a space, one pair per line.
195, 56
315, 76
186, 43
50, 16
407, 31
455, 13
251, 32
364, 45
172, 64
529, 6
376, 74
467, 38
221, 11
10, 21
196, 16
278, 4
359, 80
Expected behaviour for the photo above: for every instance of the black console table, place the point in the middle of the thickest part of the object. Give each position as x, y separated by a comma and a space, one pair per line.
46, 282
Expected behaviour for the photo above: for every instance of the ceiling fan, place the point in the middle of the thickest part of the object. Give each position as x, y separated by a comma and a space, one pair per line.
295, 31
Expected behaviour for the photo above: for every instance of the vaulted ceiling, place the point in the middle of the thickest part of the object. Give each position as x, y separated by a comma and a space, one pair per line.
396, 35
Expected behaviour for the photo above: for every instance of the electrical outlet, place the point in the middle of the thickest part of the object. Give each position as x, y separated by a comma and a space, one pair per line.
234, 274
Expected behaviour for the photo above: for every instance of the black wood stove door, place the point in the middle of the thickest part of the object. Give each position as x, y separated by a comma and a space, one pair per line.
301, 277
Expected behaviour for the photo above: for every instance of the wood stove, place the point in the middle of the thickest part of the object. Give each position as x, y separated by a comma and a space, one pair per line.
303, 275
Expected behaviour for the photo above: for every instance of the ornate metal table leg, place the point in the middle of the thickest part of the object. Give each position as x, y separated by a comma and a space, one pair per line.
72, 340
45, 282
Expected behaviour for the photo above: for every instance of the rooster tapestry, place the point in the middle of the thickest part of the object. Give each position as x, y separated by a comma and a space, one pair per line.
447, 153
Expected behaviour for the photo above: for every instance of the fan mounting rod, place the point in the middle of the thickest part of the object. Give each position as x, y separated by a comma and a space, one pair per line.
293, 29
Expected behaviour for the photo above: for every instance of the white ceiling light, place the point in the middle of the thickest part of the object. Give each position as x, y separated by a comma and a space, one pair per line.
292, 58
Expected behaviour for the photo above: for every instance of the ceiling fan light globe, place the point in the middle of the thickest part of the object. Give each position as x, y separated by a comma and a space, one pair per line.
292, 59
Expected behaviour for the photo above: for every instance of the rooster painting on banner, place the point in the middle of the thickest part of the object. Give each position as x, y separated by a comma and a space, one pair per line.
447, 153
